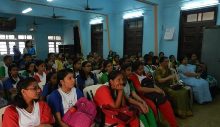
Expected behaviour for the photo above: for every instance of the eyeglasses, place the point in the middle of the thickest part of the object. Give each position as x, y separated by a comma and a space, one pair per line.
34, 88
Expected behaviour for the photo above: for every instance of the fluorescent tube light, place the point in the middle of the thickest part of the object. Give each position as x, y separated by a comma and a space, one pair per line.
27, 10
96, 21
133, 14
198, 4
49, 0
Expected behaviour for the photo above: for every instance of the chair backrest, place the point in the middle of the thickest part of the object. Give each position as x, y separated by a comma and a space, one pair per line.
2, 110
90, 91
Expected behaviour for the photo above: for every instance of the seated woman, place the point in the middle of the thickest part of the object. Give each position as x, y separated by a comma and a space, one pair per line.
146, 114
77, 66
29, 70
25, 110
86, 77
107, 69
148, 68
180, 98
200, 86
40, 74
65, 97
50, 86
11, 82
113, 97
153, 95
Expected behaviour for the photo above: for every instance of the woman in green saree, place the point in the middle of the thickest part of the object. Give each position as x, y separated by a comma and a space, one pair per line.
179, 98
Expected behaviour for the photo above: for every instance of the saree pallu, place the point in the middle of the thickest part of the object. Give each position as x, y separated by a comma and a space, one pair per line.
180, 100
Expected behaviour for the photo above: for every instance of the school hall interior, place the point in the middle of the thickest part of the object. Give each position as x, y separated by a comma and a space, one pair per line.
181, 36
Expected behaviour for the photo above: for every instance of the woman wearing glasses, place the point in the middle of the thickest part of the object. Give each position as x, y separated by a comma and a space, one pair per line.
26, 110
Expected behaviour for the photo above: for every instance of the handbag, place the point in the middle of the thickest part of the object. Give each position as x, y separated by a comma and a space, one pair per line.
121, 116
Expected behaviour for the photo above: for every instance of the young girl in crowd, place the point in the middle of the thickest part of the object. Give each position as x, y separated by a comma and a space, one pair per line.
11, 82
107, 69
153, 95
77, 66
146, 114
25, 110
86, 77
65, 97
29, 70
40, 74
50, 86
112, 96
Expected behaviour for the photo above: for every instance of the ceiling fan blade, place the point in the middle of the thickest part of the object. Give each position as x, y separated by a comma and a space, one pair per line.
96, 9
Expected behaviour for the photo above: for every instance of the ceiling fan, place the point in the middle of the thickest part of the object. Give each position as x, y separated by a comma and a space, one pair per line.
33, 26
54, 16
88, 8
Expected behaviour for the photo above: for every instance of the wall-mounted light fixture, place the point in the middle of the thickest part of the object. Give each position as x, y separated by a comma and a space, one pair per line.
133, 14
97, 20
26, 10
198, 4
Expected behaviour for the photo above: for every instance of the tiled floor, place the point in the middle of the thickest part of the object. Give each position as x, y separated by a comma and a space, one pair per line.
206, 115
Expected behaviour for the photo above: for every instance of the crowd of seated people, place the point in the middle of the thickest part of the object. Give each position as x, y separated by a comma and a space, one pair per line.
41, 93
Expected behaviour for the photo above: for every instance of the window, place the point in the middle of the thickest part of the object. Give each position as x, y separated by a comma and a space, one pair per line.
201, 16
53, 43
7, 41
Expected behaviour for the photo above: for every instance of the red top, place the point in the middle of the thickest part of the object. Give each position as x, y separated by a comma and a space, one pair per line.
10, 118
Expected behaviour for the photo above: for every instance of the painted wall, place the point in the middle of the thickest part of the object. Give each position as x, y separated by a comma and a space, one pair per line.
116, 25
46, 27
170, 18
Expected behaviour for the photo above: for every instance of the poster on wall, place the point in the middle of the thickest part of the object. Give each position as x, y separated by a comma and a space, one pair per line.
169, 33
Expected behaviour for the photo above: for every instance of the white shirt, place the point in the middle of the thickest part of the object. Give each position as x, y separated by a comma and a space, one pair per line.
140, 78
68, 99
89, 81
127, 90
43, 80
27, 119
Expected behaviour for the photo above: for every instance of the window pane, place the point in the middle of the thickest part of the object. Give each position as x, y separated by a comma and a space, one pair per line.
2, 36
11, 36
51, 43
2, 53
51, 46
58, 43
29, 37
208, 16
21, 36
192, 18
50, 37
58, 37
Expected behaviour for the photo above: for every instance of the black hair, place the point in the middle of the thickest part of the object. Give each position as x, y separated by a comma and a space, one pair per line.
154, 59
6, 57
18, 99
62, 74
125, 66
26, 42
147, 57
38, 63
50, 86
27, 65
26, 55
13, 65
136, 65
104, 65
82, 73
76, 60
112, 76
161, 53
170, 57
162, 59
182, 58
